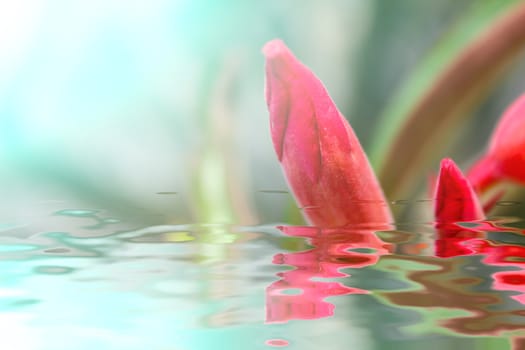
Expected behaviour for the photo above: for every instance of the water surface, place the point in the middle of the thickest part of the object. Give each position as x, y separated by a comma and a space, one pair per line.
91, 280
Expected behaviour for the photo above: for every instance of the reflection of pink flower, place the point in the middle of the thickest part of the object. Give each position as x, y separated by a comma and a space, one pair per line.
499, 254
504, 255
455, 201
505, 158
322, 159
512, 281
298, 295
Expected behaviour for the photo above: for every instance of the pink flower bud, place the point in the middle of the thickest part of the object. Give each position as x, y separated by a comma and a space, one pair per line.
322, 159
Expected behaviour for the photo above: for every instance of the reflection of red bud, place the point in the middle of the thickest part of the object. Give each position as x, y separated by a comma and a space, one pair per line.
505, 158
455, 202
322, 159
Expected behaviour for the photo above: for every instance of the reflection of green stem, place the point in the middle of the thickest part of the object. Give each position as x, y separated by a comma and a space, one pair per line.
444, 305
218, 195
213, 205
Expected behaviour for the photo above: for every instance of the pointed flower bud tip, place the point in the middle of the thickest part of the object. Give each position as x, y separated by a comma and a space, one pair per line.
274, 48
455, 197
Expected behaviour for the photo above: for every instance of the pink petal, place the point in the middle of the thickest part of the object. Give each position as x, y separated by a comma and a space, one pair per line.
505, 158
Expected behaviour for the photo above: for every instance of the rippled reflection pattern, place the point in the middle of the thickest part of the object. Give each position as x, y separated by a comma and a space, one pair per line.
464, 283
472, 285
89, 280
301, 292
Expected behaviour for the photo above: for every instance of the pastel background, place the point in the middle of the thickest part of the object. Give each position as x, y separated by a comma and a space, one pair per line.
109, 103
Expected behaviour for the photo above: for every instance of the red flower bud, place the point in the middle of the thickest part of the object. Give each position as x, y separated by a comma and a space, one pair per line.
455, 201
455, 198
322, 159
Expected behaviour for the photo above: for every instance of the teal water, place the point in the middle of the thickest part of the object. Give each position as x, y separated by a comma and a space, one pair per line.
94, 281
